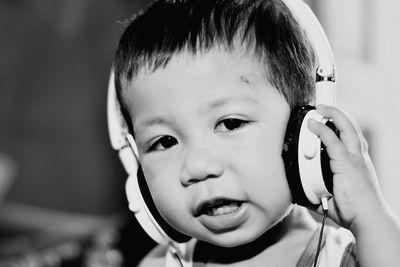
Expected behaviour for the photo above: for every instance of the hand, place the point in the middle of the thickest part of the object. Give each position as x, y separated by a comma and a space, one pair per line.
356, 190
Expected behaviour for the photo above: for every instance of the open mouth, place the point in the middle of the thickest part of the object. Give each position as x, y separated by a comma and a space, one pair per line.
218, 207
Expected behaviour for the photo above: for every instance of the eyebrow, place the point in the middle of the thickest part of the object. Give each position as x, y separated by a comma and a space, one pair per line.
157, 120
141, 125
152, 121
230, 100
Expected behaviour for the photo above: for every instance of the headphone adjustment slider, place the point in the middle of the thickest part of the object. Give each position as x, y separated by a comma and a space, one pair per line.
326, 74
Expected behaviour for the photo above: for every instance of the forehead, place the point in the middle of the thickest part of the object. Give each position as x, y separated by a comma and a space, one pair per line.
215, 63
195, 78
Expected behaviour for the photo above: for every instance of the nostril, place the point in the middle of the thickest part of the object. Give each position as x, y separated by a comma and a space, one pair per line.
191, 179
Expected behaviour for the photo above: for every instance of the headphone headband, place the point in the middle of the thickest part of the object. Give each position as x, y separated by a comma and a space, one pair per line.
325, 91
117, 127
315, 33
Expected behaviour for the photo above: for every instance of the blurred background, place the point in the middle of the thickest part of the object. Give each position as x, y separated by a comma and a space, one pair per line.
62, 199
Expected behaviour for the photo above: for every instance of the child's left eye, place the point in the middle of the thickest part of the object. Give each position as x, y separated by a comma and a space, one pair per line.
230, 124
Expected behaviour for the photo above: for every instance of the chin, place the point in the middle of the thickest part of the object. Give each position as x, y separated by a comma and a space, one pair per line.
234, 238
252, 233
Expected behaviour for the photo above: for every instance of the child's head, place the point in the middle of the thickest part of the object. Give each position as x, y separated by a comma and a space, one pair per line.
207, 88
264, 29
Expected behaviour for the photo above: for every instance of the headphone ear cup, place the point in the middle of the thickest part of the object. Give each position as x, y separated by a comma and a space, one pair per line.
156, 217
290, 155
132, 195
146, 213
306, 160
138, 207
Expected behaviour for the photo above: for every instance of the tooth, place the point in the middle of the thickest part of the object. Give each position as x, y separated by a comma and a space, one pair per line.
229, 208
224, 209
221, 210
214, 211
233, 206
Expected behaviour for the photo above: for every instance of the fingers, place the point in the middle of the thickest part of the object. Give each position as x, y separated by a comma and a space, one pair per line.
351, 136
334, 146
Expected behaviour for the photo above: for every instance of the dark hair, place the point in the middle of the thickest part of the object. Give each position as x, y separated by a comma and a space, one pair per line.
264, 28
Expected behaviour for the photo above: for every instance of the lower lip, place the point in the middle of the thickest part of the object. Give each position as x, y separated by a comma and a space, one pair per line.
225, 222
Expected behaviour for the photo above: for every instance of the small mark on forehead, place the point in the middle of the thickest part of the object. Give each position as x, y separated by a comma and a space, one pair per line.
244, 79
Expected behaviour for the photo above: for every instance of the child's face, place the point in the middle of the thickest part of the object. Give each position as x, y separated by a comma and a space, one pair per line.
210, 130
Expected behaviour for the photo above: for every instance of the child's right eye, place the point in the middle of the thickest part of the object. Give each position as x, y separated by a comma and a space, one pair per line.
163, 143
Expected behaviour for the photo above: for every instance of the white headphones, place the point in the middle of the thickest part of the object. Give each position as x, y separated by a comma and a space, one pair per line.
308, 163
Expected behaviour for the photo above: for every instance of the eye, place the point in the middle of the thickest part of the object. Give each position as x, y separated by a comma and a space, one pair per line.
230, 124
163, 143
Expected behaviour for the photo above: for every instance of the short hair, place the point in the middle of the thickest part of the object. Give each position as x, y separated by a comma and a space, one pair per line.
264, 28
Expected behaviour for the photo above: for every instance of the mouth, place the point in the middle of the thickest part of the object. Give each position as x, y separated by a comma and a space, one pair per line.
218, 207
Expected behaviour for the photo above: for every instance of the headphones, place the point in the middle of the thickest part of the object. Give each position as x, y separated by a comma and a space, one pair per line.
306, 161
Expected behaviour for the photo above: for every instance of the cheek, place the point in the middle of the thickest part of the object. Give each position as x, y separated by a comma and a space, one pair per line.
166, 192
161, 184
263, 165
266, 173
262, 147
173, 206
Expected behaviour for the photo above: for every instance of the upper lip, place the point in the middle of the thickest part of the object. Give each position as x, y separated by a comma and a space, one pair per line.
213, 202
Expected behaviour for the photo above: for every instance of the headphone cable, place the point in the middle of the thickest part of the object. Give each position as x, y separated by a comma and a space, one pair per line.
324, 202
178, 259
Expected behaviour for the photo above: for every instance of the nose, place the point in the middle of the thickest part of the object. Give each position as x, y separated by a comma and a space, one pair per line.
201, 162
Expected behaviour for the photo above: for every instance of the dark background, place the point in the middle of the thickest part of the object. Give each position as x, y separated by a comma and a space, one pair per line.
67, 184
55, 58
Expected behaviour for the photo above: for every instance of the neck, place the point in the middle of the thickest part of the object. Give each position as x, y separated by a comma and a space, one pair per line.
288, 231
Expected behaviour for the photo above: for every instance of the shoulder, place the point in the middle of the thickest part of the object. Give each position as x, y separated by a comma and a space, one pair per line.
155, 258
340, 248
339, 236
